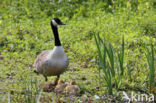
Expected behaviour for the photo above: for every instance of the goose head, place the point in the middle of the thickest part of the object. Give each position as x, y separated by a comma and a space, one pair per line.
56, 22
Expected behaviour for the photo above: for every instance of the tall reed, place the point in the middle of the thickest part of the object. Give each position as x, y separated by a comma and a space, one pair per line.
121, 56
110, 63
150, 60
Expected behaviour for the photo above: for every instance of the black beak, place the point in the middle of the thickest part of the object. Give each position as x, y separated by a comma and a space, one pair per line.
61, 23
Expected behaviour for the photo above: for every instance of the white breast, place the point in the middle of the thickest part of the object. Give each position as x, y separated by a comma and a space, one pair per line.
57, 53
57, 62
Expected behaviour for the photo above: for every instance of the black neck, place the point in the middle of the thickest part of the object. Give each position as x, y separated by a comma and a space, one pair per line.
56, 35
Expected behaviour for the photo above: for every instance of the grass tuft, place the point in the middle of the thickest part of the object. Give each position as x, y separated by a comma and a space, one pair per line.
108, 60
150, 60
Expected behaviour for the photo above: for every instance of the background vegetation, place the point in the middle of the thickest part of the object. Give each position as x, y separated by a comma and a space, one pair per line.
25, 32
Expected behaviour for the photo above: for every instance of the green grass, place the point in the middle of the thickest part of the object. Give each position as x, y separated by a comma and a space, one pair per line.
118, 65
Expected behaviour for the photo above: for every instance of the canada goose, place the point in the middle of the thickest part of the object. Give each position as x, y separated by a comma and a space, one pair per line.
52, 62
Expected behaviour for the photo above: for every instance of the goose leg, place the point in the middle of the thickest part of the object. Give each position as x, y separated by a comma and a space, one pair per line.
58, 76
46, 79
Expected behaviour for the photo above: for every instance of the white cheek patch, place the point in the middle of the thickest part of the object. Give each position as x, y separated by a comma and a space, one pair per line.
54, 23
